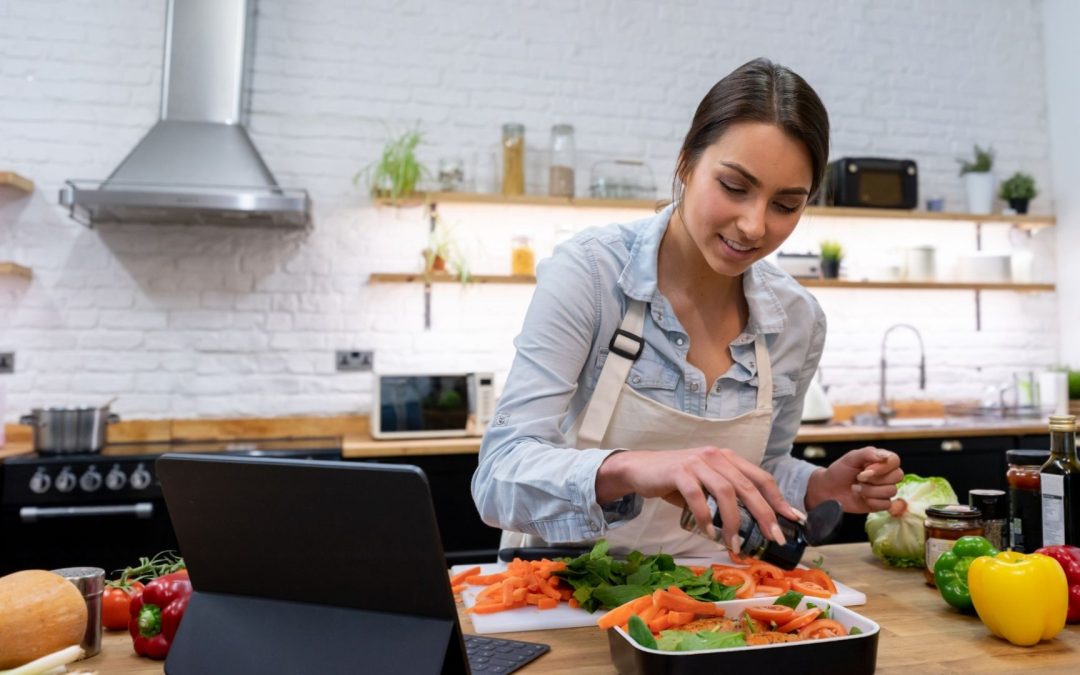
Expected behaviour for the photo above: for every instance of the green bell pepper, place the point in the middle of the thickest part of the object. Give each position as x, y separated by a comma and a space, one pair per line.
951, 570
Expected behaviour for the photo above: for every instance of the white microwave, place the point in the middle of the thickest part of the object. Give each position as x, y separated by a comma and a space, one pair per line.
440, 405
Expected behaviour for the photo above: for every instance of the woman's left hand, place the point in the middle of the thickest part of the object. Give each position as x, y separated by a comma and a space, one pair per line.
863, 481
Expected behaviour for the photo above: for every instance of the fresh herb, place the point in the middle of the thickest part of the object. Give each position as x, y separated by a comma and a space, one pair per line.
751, 627
685, 641
855, 630
826, 610
790, 599
641, 633
817, 564
601, 581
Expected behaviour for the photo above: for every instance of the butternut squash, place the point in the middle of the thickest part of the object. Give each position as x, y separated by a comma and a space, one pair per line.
40, 613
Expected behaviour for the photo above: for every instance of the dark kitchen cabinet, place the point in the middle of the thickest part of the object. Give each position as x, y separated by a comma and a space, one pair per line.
967, 463
465, 538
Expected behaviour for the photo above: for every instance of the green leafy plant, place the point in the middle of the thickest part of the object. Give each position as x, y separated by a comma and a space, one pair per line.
397, 171
442, 251
1018, 186
984, 161
832, 251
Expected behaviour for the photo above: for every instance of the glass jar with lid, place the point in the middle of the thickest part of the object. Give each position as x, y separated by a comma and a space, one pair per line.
513, 147
561, 171
945, 523
522, 258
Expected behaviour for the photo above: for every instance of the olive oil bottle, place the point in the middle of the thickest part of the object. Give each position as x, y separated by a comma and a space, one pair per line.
1060, 485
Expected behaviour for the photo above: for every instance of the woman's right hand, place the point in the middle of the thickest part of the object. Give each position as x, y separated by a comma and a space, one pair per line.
687, 477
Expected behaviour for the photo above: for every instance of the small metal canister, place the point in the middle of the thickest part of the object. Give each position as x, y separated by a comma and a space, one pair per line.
91, 582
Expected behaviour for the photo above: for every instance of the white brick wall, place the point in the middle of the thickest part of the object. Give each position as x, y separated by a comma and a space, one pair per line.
187, 321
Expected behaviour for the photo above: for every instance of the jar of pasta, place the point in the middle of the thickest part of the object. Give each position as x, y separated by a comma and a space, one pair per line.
513, 145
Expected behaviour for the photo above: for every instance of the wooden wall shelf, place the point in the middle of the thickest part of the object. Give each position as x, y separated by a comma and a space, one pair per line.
1025, 221
418, 278
10, 179
10, 269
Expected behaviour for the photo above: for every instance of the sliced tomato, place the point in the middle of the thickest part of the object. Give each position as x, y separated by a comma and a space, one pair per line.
822, 628
740, 578
778, 613
782, 585
768, 591
763, 570
810, 588
822, 579
804, 619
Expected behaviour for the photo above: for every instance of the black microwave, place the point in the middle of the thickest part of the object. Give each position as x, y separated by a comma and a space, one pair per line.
872, 182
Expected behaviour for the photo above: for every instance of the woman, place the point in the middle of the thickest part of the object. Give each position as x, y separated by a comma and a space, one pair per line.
663, 361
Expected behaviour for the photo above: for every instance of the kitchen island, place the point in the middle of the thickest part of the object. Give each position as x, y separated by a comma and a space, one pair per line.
919, 632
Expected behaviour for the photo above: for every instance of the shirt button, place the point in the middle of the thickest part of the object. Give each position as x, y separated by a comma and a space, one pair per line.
679, 341
693, 386
636, 379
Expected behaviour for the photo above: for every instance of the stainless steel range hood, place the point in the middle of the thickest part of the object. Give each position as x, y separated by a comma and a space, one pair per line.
197, 165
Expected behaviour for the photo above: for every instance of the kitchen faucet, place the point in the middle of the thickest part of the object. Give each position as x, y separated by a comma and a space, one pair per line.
884, 411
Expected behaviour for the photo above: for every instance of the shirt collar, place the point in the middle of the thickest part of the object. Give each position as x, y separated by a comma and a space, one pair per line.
638, 278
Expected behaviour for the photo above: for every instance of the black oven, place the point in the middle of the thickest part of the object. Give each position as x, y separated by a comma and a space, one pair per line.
872, 182
104, 510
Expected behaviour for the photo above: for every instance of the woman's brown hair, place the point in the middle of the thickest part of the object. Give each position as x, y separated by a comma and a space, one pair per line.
758, 91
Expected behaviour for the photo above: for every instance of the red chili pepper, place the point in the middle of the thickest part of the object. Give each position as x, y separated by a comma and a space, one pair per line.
156, 613
1069, 559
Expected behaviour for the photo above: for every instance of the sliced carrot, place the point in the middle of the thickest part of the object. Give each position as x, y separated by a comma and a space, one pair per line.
486, 579
460, 577
488, 608
678, 591
677, 603
458, 588
547, 603
679, 618
649, 613
519, 594
621, 614
660, 622
508, 592
573, 602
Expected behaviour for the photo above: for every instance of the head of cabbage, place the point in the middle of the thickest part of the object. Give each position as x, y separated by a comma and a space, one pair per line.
897, 535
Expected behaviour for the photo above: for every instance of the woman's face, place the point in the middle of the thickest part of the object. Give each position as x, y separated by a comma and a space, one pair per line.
744, 196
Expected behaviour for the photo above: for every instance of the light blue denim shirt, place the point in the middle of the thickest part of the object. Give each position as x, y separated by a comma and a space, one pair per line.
528, 480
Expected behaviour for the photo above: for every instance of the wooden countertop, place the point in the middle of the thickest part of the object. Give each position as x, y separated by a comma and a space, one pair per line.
363, 446
919, 632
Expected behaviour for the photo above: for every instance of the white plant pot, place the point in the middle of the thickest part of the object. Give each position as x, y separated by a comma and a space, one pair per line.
980, 192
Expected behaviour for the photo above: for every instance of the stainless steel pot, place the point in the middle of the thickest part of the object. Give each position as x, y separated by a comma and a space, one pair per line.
64, 431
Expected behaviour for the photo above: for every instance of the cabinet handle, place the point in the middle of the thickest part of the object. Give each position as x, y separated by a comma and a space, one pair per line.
951, 446
814, 452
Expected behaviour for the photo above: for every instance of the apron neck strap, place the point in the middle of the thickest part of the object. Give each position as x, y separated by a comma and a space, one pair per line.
623, 351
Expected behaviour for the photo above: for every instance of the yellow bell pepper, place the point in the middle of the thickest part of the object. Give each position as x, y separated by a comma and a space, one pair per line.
1022, 598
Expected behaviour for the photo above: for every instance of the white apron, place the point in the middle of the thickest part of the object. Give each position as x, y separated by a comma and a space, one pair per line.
619, 417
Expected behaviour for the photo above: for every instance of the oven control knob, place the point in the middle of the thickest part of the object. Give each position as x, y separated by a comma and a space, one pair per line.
91, 479
140, 478
65, 480
116, 479
40, 482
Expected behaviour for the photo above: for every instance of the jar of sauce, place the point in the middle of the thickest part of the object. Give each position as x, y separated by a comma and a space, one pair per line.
1025, 504
945, 523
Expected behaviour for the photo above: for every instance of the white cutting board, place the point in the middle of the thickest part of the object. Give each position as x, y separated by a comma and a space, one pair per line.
564, 616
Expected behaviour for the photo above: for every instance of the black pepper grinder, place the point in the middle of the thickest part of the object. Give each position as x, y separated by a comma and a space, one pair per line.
820, 526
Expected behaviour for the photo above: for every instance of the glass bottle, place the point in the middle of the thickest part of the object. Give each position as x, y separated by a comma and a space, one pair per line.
1059, 484
1025, 502
561, 172
522, 259
513, 144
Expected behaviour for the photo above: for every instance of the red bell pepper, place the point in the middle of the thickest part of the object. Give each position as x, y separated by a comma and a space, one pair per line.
156, 612
1069, 559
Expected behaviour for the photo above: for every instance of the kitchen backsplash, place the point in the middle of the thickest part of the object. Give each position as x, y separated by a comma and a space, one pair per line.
200, 321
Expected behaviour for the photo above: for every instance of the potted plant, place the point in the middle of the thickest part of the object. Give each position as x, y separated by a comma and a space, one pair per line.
1018, 190
442, 252
978, 180
397, 171
831, 255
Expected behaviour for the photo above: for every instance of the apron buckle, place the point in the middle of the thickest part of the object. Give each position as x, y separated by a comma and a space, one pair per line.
626, 353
